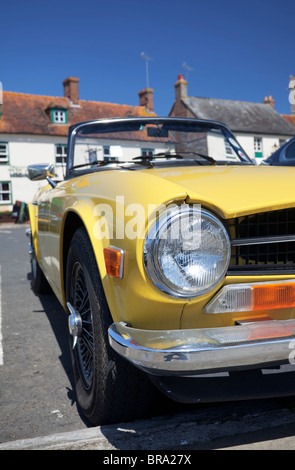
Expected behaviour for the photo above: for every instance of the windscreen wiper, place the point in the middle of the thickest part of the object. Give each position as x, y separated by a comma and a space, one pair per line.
157, 155
99, 163
206, 157
172, 155
147, 160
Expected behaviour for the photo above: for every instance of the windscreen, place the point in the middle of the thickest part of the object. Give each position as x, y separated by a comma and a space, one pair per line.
136, 141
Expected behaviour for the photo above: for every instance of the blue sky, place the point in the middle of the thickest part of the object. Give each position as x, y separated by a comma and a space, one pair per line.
240, 50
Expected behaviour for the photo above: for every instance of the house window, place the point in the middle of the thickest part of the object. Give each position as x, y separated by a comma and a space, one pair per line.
3, 152
107, 154
59, 116
5, 192
61, 152
258, 147
106, 151
147, 152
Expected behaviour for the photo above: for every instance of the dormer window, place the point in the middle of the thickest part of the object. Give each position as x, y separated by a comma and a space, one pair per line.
59, 116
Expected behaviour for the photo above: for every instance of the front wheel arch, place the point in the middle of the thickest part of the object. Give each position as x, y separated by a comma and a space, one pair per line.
71, 225
72, 222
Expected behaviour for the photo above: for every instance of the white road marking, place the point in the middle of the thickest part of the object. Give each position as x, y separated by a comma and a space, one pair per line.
1, 348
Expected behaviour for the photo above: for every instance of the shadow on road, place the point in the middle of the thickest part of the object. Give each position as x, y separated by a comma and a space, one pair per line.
59, 324
247, 426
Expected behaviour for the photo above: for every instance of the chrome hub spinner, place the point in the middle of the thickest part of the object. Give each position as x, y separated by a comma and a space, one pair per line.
75, 324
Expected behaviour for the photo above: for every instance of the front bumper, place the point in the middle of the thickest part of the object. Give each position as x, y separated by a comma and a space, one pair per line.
189, 352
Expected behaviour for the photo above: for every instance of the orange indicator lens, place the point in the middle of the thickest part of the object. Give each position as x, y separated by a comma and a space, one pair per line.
114, 261
270, 296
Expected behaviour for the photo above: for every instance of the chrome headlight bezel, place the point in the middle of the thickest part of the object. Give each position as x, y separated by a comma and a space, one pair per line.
151, 249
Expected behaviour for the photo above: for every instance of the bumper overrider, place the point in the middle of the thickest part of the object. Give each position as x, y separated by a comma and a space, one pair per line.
192, 351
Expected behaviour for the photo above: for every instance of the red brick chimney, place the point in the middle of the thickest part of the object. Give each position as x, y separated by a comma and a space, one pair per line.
180, 88
269, 100
146, 98
71, 89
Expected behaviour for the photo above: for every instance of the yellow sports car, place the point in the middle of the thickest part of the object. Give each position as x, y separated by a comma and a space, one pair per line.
174, 257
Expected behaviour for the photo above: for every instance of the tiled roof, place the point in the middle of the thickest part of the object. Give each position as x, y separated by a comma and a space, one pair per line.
30, 114
289, 118
240, 116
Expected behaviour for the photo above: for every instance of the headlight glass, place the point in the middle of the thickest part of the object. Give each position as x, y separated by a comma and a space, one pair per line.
187, 251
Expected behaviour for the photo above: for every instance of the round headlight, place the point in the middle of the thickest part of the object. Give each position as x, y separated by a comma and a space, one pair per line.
187, 251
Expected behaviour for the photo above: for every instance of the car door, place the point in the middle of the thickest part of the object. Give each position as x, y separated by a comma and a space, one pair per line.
44, 221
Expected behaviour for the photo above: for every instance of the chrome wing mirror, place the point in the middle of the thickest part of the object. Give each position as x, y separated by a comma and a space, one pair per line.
42, 172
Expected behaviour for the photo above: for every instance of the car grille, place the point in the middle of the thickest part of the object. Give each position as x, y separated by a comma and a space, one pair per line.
263, 243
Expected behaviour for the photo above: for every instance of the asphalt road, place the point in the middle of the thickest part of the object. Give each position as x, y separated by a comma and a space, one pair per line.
36, 393
37, 401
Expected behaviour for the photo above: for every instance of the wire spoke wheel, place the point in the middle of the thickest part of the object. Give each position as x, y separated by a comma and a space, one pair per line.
84, 349
108, 388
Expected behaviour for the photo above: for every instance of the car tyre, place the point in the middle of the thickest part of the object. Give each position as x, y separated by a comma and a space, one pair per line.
108, 388
39, 282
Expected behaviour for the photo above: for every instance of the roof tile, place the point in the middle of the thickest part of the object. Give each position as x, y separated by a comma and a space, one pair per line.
240, 116
290, 118
29, 114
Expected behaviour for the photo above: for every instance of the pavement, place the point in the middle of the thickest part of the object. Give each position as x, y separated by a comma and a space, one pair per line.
256, 425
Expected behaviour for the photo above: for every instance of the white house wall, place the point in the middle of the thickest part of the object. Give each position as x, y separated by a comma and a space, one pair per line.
25, 150
269, 144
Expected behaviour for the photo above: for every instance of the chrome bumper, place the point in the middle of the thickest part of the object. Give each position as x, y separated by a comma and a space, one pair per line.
189, 352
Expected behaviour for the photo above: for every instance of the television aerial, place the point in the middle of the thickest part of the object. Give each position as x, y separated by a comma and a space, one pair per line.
147, 60
188, 69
